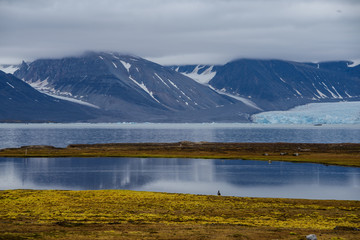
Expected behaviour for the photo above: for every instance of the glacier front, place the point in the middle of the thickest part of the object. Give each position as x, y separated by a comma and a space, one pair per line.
313, 113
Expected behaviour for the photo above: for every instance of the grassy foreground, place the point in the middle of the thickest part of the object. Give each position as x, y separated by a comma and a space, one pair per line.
344, 154
121, 214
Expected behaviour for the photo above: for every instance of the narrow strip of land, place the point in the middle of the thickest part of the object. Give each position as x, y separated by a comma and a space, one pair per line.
121, 214
344, 154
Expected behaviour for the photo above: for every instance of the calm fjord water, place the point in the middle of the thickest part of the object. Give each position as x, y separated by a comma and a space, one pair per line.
61, 135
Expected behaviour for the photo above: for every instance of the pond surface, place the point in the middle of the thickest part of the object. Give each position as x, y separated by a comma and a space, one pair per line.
61, 135
196, 176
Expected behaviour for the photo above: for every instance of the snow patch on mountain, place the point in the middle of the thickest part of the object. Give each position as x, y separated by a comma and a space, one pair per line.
43, 86
321, 95
298, 92
173, 84
9, 68
241, 99
314, 113
332, 94
161, 79
73, 100
347, 94
126, 65
354, 63
143, 87
114, 55
10, 85
204, 77
283, 80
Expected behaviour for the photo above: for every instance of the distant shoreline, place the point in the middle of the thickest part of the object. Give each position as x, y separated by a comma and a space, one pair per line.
342, 154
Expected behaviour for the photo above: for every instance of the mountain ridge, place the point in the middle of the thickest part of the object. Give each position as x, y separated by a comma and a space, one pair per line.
280, 85
129, 88
22, 103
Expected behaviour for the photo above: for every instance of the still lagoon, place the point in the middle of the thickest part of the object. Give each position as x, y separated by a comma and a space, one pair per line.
196, 176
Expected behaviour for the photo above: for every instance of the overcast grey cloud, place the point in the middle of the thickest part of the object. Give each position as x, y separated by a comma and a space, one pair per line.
182, 31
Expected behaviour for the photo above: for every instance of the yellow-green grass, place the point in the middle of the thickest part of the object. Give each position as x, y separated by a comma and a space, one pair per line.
121, 214
344, 154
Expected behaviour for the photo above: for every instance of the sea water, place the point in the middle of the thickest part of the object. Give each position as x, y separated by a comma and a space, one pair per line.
61, 135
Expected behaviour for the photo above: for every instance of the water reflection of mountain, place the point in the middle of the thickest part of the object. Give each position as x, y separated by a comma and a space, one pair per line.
256, 173
101, 173
134, 173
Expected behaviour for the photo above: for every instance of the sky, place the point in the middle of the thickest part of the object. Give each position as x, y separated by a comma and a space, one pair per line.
181, 31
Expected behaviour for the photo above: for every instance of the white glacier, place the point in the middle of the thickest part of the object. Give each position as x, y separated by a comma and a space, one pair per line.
313, 113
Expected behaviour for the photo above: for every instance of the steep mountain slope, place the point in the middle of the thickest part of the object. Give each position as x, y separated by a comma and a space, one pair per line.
20, 102
129, 88
204, 73
277, 85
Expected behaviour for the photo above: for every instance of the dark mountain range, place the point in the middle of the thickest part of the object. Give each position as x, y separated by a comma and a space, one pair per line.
20, 102
130, 88
279, 85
